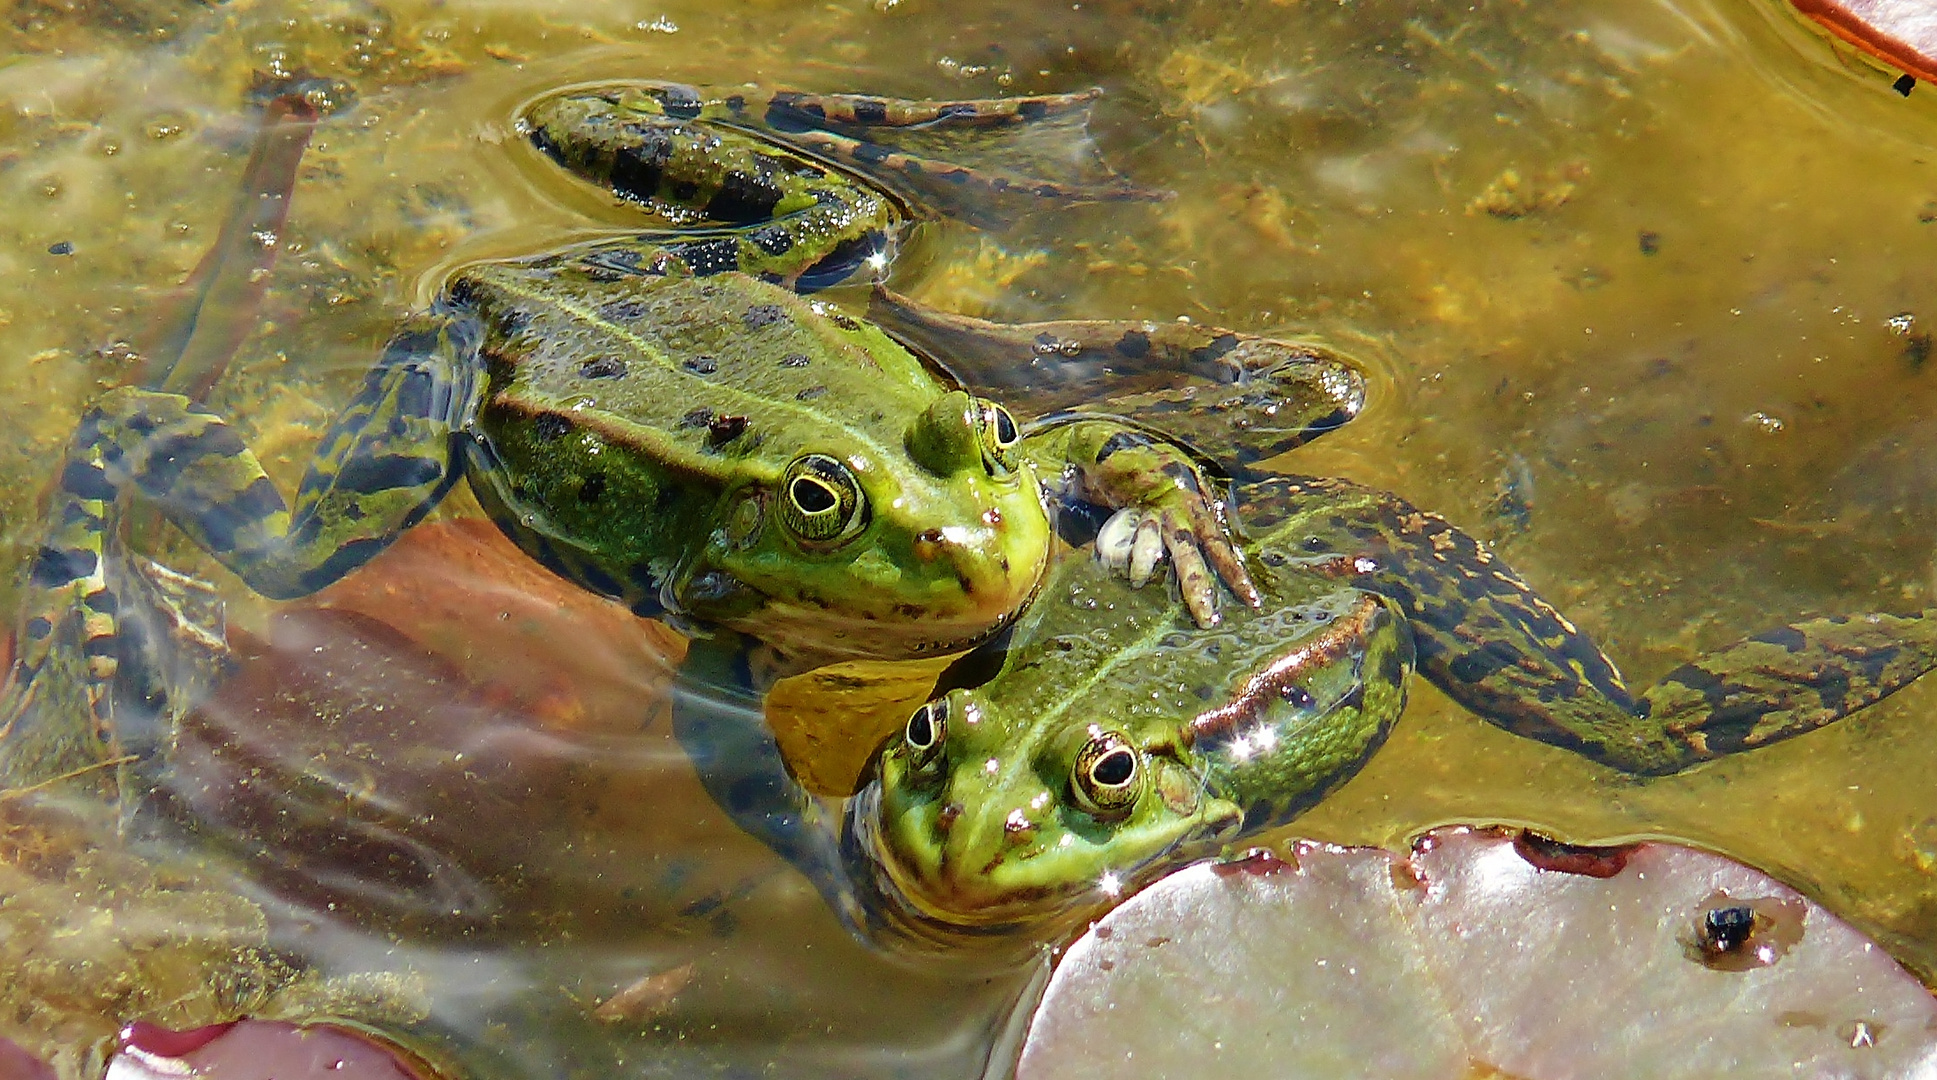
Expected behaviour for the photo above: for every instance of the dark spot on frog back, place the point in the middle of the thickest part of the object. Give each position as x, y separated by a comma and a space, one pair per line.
761, 316
709, 257
700, 365
743, 198
550, 427
638, 166
1219, 346
603, 367
623, 311
772, 239
721, 430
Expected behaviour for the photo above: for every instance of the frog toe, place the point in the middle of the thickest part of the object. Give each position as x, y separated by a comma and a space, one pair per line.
1194, 579
1146, 550
1115, 538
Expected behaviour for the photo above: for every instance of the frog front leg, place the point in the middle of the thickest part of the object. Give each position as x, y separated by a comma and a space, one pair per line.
1165, 506
1492, 644
1121, 400
717, 718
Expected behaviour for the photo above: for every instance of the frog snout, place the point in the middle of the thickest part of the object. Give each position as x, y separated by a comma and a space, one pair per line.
974, 561
1018, 828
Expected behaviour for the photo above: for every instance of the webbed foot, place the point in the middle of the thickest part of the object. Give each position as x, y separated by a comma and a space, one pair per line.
1135, 540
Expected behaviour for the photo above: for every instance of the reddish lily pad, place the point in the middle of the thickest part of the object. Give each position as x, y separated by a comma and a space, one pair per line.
259, 1050
1483, 953
1901, 33
18, 1064
448, 733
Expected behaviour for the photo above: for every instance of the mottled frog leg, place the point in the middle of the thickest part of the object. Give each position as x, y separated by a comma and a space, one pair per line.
1492, 644
1170, 504
57, 710
738, 201
718, 721
923, 148
1238, 399
385, 462
794, 109
109, 647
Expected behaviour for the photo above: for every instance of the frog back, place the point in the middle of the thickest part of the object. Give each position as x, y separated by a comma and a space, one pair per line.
1271, 708
712, 377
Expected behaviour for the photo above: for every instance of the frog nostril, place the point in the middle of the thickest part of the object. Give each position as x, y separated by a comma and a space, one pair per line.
1018, 827
945, 817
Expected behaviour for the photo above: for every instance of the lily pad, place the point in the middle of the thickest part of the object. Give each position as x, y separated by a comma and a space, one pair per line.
1482, 953
258, 1050
1901, 33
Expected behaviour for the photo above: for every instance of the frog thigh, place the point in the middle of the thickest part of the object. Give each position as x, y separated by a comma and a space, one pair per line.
384, 463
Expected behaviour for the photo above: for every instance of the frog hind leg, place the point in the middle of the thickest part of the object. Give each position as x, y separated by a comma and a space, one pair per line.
1238, 399
718, 721
1037, 147
1491, 643
56, 708
738, 201
385, 462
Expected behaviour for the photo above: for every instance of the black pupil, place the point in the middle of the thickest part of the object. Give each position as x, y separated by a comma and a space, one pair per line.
1113, 769
921, 729
1005, 428
813, 497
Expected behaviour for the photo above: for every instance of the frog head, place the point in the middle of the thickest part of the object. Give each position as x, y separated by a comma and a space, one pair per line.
972, 826
1118, 741
872, 550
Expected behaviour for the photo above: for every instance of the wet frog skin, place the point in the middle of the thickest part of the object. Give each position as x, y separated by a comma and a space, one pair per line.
1118, 742
666, 419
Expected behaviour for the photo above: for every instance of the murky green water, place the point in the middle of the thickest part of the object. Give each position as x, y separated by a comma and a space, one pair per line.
1647, 289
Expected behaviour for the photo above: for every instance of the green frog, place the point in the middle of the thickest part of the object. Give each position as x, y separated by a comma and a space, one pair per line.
1116, 741
672, 419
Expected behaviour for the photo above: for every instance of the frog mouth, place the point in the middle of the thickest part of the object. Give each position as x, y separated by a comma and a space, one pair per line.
816, 631
904, 915
897, 917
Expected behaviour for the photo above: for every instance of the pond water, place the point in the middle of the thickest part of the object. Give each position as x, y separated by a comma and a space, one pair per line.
1646, 292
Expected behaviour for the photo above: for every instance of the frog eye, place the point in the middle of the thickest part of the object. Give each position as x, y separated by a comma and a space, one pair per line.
1107, 777
925, 731
821, 501
999, 435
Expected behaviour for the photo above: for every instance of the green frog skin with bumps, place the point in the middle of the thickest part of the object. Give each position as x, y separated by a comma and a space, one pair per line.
1118, 742
666, 419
